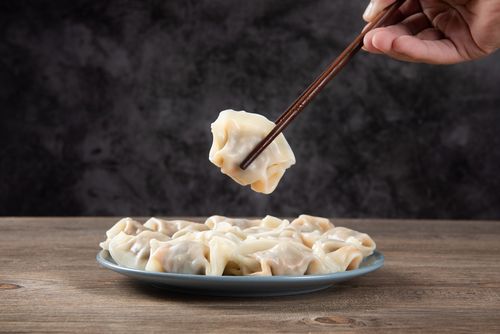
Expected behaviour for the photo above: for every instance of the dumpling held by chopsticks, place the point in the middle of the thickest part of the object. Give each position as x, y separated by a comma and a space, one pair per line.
235, 134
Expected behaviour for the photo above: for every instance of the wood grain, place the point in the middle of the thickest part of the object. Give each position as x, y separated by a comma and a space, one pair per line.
440, 276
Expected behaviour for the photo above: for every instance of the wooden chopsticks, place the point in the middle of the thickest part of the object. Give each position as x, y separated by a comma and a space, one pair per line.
289, 115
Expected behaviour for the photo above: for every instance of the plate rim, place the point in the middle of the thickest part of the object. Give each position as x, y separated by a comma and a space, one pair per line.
377, 264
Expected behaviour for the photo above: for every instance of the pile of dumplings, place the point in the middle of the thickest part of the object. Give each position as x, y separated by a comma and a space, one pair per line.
224, 246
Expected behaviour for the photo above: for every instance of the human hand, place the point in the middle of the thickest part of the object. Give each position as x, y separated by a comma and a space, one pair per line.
436, 31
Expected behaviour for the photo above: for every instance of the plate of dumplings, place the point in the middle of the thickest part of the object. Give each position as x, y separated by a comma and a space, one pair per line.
239, 257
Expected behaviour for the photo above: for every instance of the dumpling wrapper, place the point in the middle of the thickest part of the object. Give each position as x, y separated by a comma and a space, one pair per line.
132, 251
235, 134
178, 256
214, 222
270, 227
330, 259
361, 241
286, 258
222, 251
168, 227
311, 228
125, 225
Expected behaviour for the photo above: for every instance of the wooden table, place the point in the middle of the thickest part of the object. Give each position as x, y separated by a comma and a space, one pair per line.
440, 276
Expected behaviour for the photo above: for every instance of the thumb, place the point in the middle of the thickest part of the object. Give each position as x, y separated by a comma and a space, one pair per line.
375, 7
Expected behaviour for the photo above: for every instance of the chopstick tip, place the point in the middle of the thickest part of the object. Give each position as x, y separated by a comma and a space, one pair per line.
244, 165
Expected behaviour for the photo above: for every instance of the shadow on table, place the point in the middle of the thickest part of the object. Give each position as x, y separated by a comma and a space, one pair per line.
369, 284
166, 293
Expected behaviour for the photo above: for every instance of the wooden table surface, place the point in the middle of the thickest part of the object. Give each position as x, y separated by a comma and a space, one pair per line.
439, 276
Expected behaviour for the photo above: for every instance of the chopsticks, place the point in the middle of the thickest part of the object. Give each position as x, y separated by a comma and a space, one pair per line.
335, 67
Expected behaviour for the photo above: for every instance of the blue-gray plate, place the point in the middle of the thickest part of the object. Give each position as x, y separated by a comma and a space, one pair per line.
243, 286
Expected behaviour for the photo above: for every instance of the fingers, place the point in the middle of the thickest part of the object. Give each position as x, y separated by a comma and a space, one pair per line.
398, 44
441, 51
413, 39
378, 40
409, 36
375, 7
408, 8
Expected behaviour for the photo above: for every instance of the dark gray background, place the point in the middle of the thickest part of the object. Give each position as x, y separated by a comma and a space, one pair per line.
106, 109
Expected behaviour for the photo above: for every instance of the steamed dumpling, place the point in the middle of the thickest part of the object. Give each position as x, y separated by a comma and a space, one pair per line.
311, 228
332, 260
286, 258
361, 241
125, 225
235, 134
178, 256
222, 252
214, 222
132, 251
270, 227
168, 227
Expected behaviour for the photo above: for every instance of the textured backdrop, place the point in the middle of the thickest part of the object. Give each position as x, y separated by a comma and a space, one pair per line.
106, 109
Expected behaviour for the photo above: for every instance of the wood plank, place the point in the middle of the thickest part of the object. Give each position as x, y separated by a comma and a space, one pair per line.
440, 276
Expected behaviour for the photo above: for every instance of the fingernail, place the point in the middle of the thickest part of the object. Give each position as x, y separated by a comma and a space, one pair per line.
368, 11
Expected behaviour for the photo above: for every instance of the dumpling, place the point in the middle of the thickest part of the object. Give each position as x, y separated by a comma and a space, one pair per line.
334, 260
361, 241
214, 222
235, 134
325, 246
168, 227
311, 228
222, 252
132, 251
126, 225
275, 256
285, 258
306, 223
194, 227
251, 246
244, 258
270, 227
271, 222
178, 256
226, 226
